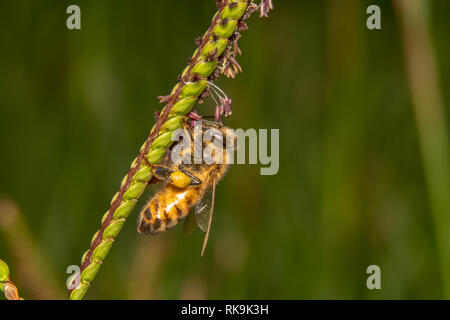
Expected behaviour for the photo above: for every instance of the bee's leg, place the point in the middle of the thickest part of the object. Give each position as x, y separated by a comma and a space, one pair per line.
188, 132
159, 170
195, 140
154, 180
194, 180
192, 140
162, 172
189, 128
182, 179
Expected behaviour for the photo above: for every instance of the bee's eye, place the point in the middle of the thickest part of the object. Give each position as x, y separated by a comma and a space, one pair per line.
180, 179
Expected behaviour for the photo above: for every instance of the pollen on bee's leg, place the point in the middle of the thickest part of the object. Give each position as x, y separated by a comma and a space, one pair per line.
180, 179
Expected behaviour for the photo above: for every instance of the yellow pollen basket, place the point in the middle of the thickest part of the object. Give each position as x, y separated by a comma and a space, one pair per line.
180, 179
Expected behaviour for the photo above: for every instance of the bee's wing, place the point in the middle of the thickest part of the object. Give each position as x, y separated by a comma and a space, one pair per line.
189, 224
199, 214
204, 211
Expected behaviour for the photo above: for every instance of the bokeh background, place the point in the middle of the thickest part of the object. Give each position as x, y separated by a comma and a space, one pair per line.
363, 118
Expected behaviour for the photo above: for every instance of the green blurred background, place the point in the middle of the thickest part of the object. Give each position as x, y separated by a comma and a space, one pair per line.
363, 156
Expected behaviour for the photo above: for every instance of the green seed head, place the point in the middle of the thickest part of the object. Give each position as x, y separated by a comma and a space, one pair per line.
90, 272
193, 89
225, 28
183, 106
134, 191
113, 229
4, 271
172, 124
124, 210
216, 46
143, 174
115, 197
163, 141
204, 69
99, 254
79, 292
155, 156
234, 11
105, 216
94, 236
84, 257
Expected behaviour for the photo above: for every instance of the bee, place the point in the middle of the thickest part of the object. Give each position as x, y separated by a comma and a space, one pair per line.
189, 185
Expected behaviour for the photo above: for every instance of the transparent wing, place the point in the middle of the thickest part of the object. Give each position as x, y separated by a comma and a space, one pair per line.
199, 214
208, 212
189, 224
203, 210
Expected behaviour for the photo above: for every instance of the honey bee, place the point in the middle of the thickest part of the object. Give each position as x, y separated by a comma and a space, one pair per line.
188, 186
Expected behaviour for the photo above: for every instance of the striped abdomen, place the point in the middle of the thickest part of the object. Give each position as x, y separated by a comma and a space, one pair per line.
167, 207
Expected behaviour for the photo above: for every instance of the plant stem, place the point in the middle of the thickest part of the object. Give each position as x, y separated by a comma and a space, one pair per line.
27, 256
430, 119
212, 57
